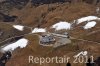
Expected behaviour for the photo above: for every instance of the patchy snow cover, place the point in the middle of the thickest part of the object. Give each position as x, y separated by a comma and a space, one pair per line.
37, 30
88, 18
20, 43
19, 27
84, 53
61, 25
90, 25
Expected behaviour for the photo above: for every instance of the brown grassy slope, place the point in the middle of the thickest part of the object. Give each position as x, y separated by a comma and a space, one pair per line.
20, 57
65, 12
9, 32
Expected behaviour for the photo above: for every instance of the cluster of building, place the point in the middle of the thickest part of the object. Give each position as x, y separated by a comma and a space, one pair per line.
54, 39
47, 39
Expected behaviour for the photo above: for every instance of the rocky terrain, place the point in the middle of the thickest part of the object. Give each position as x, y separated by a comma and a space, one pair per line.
44, 14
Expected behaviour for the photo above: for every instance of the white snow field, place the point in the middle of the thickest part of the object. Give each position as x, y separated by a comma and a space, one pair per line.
19, 27
61, 25
90, 25
88, 18
83, 53
21, 43
38, 30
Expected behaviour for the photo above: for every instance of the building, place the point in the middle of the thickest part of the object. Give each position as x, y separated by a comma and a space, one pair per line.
46, 39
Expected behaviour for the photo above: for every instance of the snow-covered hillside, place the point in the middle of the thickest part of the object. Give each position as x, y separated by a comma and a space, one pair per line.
90, 25
21, 43
61, 25
19, 27
37, 30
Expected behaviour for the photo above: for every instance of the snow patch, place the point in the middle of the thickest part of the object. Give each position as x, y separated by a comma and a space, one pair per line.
20, 43
90, 25
84, 53
98, 19
19, 27
88, 18
61, 25
37, 30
